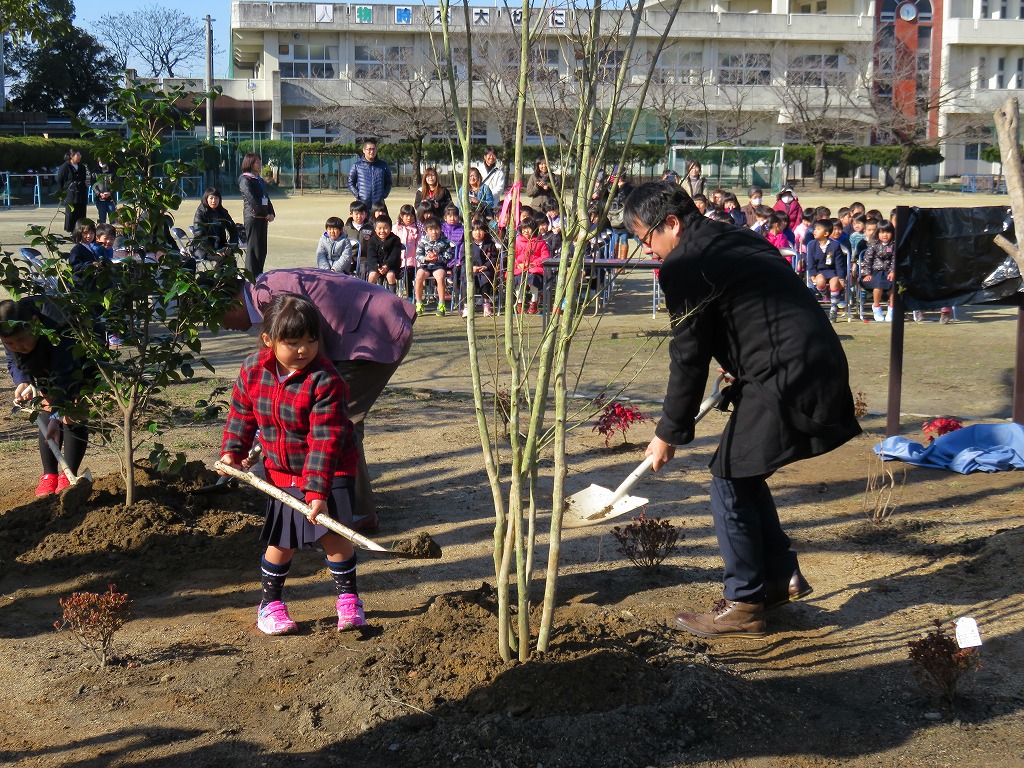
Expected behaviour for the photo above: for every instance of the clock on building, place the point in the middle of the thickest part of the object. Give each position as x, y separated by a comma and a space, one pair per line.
908, 11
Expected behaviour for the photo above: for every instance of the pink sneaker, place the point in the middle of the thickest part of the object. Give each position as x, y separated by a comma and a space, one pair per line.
350, 612
274, 619
62, 482
47, 485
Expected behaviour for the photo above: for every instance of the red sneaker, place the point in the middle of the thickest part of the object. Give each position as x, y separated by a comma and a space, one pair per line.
47, 485
62, 482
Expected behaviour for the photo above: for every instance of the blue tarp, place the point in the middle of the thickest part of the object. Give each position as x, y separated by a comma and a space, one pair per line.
977, 448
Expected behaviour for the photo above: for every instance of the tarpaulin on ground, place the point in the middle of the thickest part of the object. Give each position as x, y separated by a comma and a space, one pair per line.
977, 448
946, 257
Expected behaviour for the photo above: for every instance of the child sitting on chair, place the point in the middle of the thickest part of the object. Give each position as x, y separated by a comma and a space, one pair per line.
434, 254
826, 265
384, 254
531, 253
877, 273
334, 251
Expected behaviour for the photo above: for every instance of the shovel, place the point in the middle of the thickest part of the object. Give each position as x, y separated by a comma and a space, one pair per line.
226, 482
596, 504
420, 550
80, 486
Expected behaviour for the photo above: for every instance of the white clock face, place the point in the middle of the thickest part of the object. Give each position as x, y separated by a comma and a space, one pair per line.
908, 11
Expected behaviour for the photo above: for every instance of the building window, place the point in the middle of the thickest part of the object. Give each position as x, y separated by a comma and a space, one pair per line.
1000, 72
308, 61
888, 11
1019, 77
610, 63
982, 74
299, 127
381, 62
976, 141
816, 70
545, 64
676, 67
745, 69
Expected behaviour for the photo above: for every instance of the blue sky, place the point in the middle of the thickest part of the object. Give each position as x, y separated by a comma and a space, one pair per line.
88, 12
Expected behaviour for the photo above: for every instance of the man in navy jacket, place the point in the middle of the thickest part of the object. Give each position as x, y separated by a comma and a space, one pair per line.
369, 180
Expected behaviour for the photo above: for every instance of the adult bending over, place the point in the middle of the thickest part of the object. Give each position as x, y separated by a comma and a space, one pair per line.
733, 299
367, 331
257, 211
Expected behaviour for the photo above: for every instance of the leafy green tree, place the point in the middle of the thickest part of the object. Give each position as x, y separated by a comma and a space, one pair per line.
67, 70
154, 300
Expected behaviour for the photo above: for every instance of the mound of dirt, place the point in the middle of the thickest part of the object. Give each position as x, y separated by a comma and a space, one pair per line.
612, 691
37, 530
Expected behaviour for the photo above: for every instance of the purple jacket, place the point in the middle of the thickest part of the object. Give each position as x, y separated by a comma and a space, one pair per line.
362, 321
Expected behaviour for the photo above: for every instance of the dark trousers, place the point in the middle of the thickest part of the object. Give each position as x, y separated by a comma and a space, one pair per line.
103, 210
72, 213
255, 245
73, 441
753, 545
366, 380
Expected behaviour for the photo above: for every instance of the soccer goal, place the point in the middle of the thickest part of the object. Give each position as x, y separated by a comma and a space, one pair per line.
731, 167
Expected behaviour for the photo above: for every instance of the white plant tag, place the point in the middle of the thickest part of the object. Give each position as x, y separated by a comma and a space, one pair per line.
967, 634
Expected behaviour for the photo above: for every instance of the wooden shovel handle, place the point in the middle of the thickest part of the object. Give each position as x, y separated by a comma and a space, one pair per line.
291, 501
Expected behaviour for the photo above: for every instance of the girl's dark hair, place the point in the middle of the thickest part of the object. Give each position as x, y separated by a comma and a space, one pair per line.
80, 226
407, 210
249, 162
289, 316
16, 316
378, 208
649, 204
211, 191
452, 208
886, 226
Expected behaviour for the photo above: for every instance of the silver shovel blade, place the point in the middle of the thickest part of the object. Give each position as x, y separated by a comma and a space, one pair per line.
592, 506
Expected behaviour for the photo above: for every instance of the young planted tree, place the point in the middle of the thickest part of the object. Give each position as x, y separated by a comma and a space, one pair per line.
153, 299
538, 361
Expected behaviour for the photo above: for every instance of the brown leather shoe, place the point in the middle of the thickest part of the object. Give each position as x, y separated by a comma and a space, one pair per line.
726, 619
780, 591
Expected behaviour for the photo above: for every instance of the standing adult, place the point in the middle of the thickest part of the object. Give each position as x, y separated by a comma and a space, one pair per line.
734, 300
433, 194
257, 212
369, 180
539, 186
755, 195
694, 183
103, 193
786, 202
72, 181
367, 331
494, 176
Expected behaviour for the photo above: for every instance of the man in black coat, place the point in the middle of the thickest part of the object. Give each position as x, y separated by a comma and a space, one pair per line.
72, 180
733, 299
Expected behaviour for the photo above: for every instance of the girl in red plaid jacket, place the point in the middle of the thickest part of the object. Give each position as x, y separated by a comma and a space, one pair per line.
295, 397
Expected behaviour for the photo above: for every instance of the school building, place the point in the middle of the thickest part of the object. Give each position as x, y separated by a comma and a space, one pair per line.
740, 70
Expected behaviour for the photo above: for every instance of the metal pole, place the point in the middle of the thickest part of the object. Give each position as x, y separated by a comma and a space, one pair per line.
209, 78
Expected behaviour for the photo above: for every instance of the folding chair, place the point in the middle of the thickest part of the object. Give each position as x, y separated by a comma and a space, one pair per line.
36, 267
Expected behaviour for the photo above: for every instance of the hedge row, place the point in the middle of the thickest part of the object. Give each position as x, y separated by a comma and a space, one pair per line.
32, 152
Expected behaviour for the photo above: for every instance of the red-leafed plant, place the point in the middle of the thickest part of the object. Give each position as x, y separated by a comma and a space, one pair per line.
94, 618
940, 662
940, 427
647, 541
616, 417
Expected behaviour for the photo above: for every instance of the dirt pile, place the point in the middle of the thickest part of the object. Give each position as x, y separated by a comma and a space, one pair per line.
612, 691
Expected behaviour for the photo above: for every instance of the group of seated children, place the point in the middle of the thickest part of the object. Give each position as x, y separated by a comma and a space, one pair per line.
823, 248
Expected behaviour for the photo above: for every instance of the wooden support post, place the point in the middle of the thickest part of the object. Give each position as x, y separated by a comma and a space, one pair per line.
892, 410
1007, 119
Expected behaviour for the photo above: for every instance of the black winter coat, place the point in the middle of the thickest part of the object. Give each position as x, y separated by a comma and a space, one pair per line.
73, 183
735, 300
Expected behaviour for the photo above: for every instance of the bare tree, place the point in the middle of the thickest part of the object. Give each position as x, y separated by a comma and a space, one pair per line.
385, 97
165, 40
906, 101
822, 99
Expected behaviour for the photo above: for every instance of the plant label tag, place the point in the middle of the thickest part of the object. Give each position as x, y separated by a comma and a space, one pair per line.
967, 634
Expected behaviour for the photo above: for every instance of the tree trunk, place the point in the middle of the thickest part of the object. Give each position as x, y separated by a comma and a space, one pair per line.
417, 160
902, 165
819, 164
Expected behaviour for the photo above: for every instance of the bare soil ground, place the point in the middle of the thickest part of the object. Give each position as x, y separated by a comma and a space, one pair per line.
195, 684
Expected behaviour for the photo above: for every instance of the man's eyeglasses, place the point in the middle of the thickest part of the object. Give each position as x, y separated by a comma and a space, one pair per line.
646, 239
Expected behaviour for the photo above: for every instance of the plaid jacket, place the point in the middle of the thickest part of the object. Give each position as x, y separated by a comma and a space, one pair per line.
303, 422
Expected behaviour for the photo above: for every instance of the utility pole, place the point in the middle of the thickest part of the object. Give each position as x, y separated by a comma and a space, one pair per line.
209, 77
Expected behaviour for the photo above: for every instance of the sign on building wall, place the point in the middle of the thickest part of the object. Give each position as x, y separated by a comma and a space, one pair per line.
437, 16
557, 18
481, 17
403, 14
324, 14
364, 14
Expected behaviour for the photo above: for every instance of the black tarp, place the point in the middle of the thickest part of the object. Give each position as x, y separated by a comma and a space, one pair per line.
946, 256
